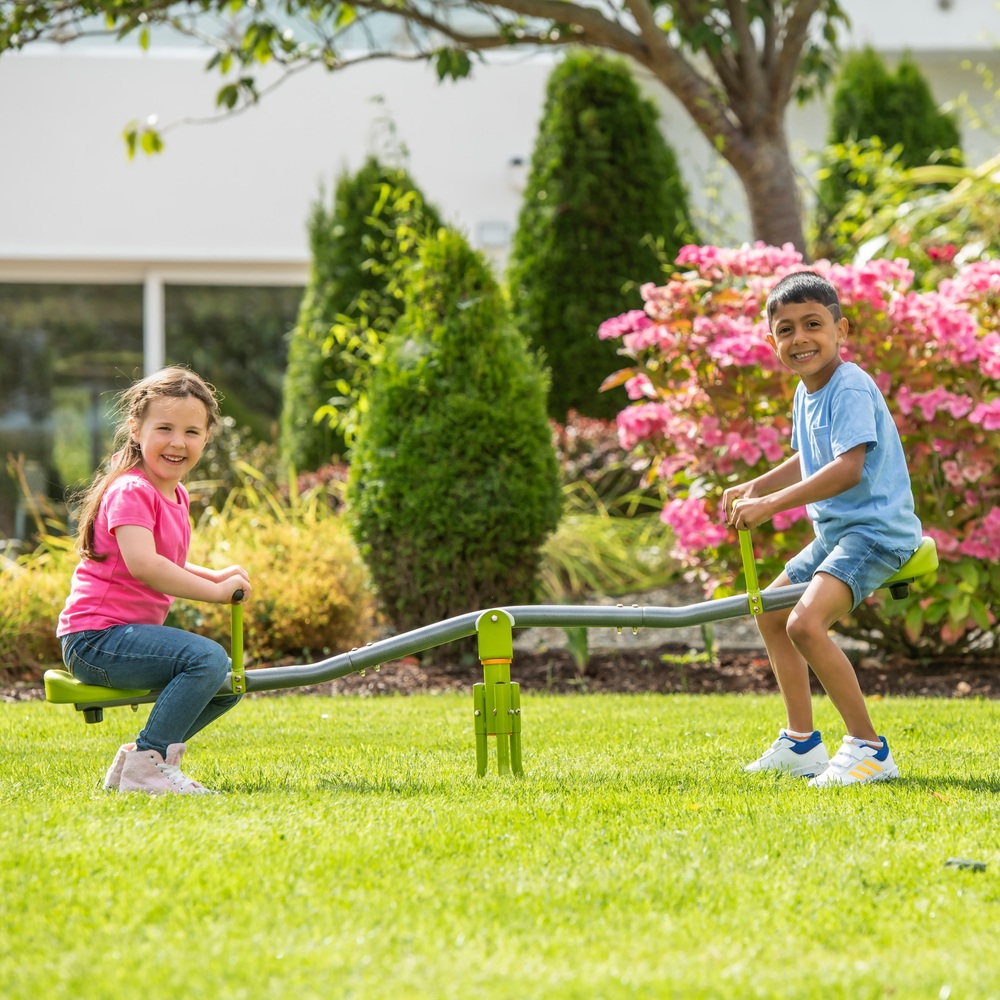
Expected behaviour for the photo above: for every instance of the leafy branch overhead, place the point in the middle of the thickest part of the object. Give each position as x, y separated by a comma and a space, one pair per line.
734, 65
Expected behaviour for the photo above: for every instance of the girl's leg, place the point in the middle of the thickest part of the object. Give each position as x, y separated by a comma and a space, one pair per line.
189, 669
790, 668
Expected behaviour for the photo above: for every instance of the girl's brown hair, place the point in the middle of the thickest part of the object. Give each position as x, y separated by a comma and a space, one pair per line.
132, 405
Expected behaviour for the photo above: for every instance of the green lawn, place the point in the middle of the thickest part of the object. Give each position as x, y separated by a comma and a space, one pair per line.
355, 854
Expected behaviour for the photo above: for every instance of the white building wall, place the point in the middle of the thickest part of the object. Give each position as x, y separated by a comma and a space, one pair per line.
229, 201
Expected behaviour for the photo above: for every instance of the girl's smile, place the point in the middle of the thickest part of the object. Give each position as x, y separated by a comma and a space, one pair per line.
171, 436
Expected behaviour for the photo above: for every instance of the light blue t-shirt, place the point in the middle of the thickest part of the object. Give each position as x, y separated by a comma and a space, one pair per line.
849, 410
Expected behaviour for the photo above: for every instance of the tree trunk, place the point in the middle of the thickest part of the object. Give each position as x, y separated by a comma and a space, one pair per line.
765, 168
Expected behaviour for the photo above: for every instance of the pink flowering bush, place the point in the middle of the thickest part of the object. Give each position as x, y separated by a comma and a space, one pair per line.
710, 406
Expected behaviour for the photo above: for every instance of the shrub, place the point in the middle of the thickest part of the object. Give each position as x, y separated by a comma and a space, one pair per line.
310, 586
938, 218
897, 109
711, 408
351, 301
454, 484
33, 590
310, 595
602, 179
592, 462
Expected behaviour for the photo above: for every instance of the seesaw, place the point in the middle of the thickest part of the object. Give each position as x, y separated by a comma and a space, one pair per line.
497, 700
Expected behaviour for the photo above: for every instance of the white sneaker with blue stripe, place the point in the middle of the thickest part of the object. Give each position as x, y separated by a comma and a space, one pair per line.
799, 758
856, 763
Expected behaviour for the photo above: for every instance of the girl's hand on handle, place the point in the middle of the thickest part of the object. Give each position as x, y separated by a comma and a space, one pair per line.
227, 590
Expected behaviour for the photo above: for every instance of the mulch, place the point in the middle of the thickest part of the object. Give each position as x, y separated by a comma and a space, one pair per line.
665, 669
669, 669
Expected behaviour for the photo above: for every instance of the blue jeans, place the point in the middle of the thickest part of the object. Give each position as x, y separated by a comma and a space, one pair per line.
187, 669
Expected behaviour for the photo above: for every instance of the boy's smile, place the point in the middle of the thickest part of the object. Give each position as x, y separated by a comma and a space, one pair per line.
807, 340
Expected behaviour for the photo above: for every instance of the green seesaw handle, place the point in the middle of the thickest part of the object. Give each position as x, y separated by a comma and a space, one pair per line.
238, 675
754, 599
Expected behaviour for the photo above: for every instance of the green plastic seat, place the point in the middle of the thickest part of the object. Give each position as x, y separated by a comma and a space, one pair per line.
922, 562
62, 688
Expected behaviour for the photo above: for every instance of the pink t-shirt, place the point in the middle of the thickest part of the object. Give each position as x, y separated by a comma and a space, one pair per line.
104, 593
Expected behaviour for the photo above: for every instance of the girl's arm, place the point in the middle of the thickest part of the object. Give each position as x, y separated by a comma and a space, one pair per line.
215, 575
149, 567
842, 474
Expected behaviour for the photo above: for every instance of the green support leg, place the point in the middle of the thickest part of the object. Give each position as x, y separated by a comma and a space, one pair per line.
479, 705
496, 701
515, 730
501, 717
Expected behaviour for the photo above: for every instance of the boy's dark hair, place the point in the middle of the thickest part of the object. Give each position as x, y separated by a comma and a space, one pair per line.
803, 286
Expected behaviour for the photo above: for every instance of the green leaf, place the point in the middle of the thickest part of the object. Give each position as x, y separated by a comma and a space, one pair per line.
453, 63
131, 137
151, 142
914, 622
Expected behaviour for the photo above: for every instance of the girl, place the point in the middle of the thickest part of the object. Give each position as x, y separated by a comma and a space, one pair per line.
134, 534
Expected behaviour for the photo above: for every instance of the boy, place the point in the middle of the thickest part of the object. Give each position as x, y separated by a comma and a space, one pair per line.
850, 472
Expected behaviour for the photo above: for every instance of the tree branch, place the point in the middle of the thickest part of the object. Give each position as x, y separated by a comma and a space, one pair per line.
796, 34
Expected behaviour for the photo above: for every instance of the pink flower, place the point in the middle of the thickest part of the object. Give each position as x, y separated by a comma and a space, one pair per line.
783, 520
937, 399
627, 322
987, 414
694, 530
942, 255
983, 541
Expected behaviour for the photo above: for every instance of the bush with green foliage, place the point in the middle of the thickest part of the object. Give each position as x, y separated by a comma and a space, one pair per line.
352, 300
604, 204
454, 484
311, 590
870, 102
938, 218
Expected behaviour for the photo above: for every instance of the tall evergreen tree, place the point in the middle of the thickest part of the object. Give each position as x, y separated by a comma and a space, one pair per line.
353, 282
454, 482
602, 180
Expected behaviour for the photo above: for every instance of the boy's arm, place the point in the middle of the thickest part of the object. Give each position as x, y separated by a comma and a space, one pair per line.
787, 473
836, 477
138, 549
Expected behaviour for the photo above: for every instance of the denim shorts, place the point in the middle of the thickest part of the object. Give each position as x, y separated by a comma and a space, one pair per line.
856, 560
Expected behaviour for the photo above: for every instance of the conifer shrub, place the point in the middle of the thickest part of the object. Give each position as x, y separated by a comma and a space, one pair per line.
454, 483
351, 301
602, 188
875, 111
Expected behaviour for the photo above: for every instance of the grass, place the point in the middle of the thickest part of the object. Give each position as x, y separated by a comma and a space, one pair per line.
355, 854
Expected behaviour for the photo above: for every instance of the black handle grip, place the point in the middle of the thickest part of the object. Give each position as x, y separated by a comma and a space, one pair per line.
238, 596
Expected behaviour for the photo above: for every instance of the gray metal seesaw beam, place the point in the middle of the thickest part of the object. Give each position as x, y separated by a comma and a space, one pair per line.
525, 616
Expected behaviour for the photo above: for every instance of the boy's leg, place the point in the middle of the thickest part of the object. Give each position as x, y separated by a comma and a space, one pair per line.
825, 602
791, 669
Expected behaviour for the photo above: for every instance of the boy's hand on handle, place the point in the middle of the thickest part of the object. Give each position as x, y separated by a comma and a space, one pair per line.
747, 513
743, 509
731, 497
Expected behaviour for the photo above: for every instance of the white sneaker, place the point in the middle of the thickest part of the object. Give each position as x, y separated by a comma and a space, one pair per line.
799, 758
856, 763
114, 776
146, 771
